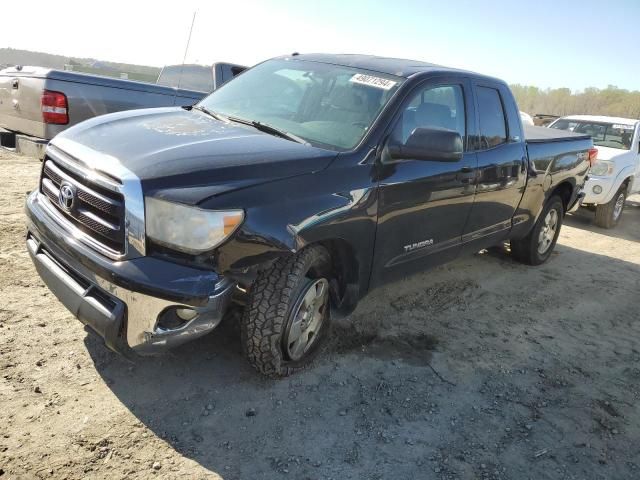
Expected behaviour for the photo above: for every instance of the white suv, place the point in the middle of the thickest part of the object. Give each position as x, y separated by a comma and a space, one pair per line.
616, 173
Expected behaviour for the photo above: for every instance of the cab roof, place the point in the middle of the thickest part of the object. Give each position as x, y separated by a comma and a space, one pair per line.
391, 66
601, 118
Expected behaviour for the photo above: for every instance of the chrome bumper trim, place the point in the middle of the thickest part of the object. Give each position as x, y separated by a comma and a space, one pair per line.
208, 318
142, 333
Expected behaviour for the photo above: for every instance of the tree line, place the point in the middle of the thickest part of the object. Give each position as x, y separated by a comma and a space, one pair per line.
612, 101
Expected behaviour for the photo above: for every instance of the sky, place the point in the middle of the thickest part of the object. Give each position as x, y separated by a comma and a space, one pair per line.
546, 43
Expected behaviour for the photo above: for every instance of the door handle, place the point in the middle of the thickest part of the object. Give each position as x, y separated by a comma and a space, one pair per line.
15, 83
466, 175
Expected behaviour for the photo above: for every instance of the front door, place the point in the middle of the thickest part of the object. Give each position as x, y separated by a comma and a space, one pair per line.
423, 205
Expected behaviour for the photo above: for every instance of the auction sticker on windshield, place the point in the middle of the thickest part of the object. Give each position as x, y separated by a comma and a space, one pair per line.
372, 81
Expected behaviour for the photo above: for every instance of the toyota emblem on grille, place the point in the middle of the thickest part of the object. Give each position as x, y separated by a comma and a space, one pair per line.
67, 196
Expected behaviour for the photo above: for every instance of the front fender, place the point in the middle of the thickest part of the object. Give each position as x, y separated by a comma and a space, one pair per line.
282, 217
626, 172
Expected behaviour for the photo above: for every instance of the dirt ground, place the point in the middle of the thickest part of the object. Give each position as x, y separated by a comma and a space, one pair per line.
482, 369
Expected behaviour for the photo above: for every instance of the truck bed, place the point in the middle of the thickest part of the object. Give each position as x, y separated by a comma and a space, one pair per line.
534, 134
111, 82
87, 96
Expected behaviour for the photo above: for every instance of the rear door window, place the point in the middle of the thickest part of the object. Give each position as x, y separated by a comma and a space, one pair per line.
493, 127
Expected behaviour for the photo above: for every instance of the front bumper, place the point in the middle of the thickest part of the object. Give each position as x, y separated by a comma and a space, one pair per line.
122, 301
592, 198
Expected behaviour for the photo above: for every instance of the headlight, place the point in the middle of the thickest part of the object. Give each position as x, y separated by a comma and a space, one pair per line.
188, 229
602, 168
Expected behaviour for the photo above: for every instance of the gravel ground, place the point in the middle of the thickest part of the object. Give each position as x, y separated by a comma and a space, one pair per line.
481, 369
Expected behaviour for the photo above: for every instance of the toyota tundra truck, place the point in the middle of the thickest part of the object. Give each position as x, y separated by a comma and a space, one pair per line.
292, 191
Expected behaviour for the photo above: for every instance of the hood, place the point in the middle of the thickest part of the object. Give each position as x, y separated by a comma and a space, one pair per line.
186, 155
613, 154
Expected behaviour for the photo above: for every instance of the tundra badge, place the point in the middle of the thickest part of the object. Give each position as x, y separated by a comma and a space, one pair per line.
415, 246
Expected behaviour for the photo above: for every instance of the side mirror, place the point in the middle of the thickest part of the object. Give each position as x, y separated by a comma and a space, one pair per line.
434, 144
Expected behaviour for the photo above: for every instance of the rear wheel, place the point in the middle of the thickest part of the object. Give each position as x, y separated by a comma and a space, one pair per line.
537, 246
608, 214
286, 320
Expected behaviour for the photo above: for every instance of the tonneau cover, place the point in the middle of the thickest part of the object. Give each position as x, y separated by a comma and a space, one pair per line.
534, 134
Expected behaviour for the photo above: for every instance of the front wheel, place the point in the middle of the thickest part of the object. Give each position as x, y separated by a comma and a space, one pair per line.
537, 246
608, 214
286, 320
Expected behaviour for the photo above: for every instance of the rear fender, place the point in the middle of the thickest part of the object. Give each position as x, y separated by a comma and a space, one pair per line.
554, 168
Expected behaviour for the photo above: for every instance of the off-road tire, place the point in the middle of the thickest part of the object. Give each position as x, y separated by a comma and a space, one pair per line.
605, 212
271, 299
525, 250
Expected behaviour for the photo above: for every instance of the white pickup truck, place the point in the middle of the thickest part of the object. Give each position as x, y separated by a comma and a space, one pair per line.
616, 173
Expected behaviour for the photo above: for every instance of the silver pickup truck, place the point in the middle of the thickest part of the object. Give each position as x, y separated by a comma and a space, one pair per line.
38, 103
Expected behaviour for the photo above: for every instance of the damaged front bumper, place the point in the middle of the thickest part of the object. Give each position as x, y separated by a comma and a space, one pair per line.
124, 301
576, 201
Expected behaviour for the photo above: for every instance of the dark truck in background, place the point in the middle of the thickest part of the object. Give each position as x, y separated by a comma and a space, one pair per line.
198, 78
38, 103
292, 191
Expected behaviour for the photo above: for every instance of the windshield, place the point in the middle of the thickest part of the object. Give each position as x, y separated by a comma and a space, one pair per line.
613, 135
326, 105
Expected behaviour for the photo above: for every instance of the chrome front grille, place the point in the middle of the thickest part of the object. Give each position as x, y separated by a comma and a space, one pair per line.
96, 211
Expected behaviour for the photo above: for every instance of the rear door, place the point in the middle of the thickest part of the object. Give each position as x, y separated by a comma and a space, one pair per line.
502, 162
424, 205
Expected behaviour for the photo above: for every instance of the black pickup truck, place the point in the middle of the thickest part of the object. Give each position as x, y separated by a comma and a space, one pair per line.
292, 191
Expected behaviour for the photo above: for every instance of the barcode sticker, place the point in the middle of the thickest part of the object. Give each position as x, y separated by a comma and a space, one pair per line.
372, 81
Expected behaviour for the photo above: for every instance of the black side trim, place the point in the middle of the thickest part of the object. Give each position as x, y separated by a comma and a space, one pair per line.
104, 314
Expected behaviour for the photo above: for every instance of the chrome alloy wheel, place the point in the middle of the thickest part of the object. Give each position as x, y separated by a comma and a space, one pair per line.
617, 208
307, 318
548, 231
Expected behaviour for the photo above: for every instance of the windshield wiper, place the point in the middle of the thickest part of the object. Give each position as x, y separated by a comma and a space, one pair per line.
215, 115
276, 131
264, 127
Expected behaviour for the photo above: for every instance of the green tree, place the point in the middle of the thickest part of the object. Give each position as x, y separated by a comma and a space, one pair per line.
612, 101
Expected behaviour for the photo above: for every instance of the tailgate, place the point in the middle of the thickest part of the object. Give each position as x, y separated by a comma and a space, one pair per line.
20, 96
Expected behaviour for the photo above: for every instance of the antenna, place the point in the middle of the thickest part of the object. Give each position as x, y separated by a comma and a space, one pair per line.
184, 58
